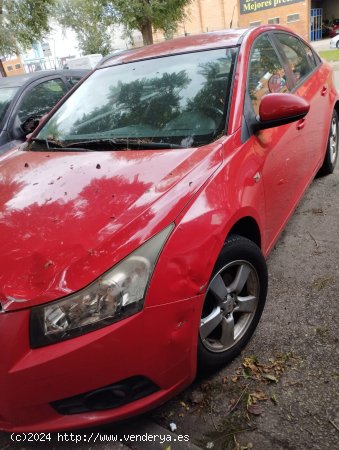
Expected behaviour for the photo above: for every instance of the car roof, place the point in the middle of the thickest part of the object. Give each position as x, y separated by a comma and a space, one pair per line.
21, 80
204, 41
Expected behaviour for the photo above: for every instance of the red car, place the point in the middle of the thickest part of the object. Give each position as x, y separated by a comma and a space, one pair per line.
333, 32
135, 222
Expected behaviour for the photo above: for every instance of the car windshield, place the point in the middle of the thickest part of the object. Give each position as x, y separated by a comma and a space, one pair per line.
180, 100
6, 95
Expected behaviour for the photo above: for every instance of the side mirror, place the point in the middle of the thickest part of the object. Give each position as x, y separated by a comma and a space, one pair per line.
280, 109
30, 124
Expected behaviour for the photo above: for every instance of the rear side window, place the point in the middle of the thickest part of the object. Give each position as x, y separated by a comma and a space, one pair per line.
266, 73
300, 57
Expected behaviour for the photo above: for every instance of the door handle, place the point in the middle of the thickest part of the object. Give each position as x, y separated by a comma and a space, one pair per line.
324, 91
301, 124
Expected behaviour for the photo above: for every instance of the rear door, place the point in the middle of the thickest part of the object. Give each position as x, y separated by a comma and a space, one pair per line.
310, 82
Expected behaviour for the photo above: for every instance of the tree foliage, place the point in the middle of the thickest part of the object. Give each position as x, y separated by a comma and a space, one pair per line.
22, 22
91, 18
145, 15
89, 21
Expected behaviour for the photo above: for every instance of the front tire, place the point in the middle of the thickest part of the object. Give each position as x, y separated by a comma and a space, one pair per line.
331, 155
234, 302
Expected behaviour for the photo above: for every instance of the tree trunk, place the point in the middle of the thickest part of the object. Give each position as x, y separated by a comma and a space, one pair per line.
147, 33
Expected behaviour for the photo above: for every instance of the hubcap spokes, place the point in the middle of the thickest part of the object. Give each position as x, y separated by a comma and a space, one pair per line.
333, 140
230, 305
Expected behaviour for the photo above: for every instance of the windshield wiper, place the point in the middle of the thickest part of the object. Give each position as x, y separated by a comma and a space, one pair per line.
116, 144
124, 144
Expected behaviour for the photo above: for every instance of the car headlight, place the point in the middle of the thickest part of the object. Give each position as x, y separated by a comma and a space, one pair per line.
117, 294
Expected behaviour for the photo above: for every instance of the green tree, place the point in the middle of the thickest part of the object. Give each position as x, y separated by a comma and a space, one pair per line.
86, 17
89, 20
22, 22
149, 15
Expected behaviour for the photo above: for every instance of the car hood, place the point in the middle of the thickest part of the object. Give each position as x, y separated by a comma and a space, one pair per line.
66, 218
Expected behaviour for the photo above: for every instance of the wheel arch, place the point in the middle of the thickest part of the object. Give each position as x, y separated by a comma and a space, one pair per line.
336, 106
247, 227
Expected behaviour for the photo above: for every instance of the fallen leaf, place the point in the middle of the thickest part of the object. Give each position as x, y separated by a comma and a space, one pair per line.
251, 364
196, 397
270, 377
259, 395
254, 409
274, 399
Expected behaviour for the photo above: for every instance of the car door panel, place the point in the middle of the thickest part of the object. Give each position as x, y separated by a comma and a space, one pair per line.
311, 84
276, 146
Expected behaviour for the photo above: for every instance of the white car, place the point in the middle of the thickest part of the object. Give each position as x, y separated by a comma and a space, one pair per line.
334, 42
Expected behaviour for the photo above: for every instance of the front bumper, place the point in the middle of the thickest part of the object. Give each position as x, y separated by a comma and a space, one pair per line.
158, 343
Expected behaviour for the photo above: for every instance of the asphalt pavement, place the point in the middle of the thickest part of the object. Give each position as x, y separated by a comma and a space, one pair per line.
281, 393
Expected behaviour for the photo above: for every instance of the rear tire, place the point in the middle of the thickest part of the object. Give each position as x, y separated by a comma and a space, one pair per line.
331, 155
233, 305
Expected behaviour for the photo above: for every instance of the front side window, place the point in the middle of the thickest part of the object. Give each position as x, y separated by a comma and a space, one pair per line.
180, 99
266, 73
73, 79
300, 57
41, 99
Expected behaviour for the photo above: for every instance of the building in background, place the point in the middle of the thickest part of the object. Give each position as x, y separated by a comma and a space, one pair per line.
2, 70
206, 15
13, 66
305, 17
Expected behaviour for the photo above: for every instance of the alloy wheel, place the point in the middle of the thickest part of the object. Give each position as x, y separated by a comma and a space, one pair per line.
333, 141
230, 306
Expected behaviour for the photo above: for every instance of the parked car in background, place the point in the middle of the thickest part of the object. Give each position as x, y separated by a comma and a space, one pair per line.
24, 99
335, 23
333, 32
83, 62
326, 31
135, 222
334, 42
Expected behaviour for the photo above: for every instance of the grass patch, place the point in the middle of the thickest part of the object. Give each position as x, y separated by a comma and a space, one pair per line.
330, 55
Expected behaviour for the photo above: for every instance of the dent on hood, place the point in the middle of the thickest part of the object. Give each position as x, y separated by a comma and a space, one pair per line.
62, 217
